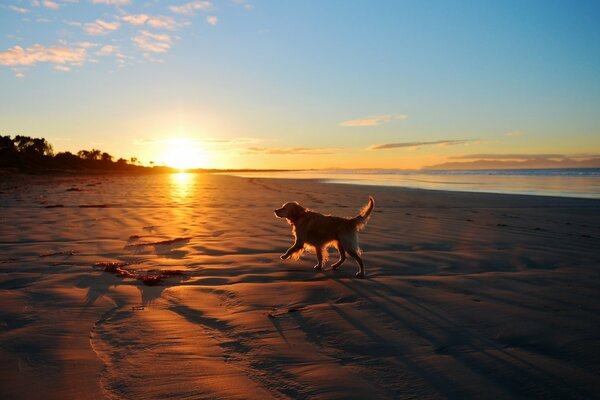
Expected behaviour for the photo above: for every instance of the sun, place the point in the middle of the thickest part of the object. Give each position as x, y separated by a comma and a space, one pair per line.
184, 155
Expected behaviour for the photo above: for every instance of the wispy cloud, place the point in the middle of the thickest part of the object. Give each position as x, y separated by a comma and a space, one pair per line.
419, 144
112, 2
88, 45
514, 133
191, 7
146, 43
106, 50
135, 19
288, 150
20, 10
45, 3
152, 42
532, 156
158, 21
100, 27
50, 4
19, 56
373, 121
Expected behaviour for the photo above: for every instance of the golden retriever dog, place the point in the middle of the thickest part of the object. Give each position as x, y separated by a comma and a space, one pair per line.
317, 231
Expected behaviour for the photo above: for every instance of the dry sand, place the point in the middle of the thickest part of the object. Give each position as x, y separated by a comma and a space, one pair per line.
466, 296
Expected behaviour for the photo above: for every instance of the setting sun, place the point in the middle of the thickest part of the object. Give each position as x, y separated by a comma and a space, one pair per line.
184, 154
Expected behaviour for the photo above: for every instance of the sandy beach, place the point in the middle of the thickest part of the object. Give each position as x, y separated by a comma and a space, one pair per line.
467, 295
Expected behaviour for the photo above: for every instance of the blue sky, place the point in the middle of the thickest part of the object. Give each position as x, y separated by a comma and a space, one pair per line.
393, 84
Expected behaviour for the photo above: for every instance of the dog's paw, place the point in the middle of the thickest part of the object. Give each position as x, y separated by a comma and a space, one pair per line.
360, 275
318, 266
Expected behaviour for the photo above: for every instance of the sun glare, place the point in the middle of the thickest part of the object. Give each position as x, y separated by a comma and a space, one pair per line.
184, 155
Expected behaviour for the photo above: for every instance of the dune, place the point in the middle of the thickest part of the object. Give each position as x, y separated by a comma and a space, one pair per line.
467, 295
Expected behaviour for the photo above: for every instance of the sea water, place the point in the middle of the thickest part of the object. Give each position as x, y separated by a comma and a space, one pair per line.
567, 182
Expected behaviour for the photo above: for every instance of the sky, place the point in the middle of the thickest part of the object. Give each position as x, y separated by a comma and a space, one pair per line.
304, 84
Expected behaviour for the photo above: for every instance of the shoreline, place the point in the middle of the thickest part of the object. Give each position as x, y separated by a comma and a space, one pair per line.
429, 190
575, 186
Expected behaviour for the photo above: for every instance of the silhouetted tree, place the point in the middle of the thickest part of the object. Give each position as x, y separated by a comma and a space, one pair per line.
36, 155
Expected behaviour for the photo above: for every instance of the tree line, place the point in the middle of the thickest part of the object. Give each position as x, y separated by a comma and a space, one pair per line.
27, 154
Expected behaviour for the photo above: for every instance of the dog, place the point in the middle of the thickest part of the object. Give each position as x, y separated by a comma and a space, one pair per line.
316, 231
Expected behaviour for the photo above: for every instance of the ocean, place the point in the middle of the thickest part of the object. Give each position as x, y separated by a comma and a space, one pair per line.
568, 182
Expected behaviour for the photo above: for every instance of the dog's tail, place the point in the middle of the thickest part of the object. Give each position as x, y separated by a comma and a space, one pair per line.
365, 214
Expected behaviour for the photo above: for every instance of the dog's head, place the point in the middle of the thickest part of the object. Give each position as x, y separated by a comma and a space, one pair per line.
292, 211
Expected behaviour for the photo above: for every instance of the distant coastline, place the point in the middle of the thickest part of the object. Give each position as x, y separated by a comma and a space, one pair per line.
558, 182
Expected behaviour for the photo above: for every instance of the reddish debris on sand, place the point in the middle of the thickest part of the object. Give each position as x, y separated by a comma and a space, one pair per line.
117, 267
124, 273
151, 280
54, 206
59, 253
162, 242
111, 266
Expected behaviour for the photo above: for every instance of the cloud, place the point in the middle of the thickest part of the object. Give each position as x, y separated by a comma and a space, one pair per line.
50, 4
288, 151
87, 45
112, 2
106, 50
135, 19
62, 68
18, 56
191, 8
212, 20
152, 42
20, 10
373, 121
521, 156
100, 27
159, 21
419, 144
46, 3
514, 133
163, 22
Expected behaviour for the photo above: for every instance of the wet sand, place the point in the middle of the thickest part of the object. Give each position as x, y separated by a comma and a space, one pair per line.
467, 295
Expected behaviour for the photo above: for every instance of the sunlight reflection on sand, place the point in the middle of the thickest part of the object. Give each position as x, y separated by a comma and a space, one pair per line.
181, 184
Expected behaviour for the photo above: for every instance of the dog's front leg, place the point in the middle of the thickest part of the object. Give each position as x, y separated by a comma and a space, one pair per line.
295, 247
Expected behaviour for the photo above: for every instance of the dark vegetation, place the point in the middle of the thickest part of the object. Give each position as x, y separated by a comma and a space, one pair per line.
26, 154
35, 155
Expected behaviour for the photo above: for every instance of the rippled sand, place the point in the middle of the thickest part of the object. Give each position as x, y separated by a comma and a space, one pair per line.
467, 295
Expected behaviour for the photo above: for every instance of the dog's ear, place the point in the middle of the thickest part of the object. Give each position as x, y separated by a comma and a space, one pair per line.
296, 211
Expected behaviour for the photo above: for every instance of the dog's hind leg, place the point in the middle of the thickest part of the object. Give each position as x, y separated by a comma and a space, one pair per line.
361, 270
342, 251
319, 251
